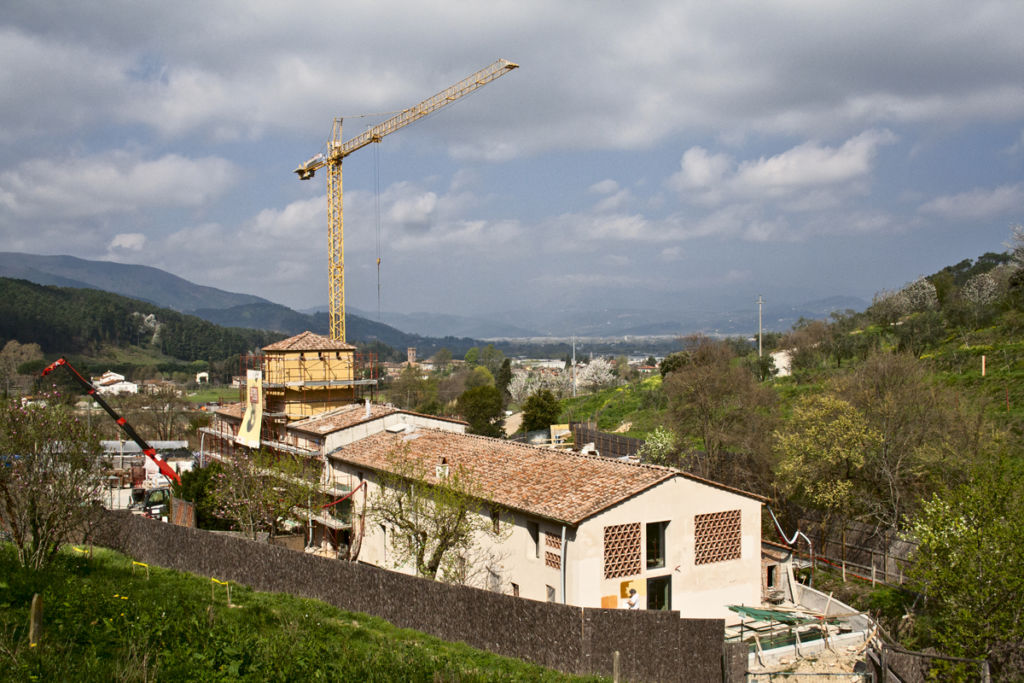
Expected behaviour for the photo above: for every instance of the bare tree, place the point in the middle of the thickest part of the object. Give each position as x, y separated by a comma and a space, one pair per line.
259, 491
50, 477
435, 518
727, 412
927, 434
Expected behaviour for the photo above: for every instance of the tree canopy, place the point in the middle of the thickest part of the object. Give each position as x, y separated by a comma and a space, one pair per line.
540, 410
484, 410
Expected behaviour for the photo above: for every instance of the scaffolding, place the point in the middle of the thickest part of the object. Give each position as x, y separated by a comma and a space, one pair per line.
304, 384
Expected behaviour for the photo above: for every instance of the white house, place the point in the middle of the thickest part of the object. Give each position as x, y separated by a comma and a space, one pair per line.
585, 529
572, 528
113, 383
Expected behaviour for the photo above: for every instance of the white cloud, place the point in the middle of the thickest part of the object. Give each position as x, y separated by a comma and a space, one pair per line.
301, 220
110, 183
129, 241
700, 169
978, 203
671, 254
614, 202
413, 212
811, 165
607, 186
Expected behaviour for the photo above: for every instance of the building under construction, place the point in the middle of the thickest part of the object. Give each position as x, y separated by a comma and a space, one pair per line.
298, 378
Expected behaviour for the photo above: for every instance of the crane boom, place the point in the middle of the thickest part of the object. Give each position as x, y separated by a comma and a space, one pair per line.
338, 150
150, 452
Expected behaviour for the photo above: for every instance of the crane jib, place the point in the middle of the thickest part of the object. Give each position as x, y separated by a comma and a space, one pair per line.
338, 150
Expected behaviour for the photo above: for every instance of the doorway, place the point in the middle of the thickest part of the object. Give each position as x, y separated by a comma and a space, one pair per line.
659, 592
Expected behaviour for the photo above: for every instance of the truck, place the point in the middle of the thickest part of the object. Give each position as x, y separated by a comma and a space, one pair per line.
154, 503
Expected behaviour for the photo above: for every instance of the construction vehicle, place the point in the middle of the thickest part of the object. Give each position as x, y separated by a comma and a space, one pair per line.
148, 450
155, 503
338, 150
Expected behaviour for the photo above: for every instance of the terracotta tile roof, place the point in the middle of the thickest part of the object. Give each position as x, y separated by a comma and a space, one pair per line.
342, 418
236, 410
557, 485
308, 341
351, 415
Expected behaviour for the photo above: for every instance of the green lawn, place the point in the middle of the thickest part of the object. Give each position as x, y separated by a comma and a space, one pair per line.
210, 394
102, 622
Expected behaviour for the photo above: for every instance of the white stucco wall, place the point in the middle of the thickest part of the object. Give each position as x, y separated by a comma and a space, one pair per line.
697, 590
701, 591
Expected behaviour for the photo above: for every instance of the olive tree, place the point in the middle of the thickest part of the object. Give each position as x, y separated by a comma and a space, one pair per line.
50, 478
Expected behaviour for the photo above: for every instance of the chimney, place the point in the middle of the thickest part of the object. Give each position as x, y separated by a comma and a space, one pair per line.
441, 470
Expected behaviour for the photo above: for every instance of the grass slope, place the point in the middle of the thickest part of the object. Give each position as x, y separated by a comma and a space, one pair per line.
102, 622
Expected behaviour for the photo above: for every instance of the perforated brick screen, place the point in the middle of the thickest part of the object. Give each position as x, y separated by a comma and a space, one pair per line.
552, 541
716, 537
553, 560
622, 550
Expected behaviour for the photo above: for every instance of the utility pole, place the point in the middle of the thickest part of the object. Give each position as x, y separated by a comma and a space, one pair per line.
760, 306
574, 367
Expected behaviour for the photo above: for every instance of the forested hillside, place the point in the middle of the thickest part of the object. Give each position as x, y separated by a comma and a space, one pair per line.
64, 320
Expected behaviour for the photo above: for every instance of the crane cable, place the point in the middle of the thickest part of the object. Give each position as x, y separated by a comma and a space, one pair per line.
376, 183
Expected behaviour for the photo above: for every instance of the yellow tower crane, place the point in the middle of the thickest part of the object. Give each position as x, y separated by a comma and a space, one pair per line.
338, 150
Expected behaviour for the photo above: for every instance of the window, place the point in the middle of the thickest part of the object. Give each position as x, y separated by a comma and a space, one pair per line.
716, 537
659, 592
621, 550
515, 589
495, 521
656, 544
534, 530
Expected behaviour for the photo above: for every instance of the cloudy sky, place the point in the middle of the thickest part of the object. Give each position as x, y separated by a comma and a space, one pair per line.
670, 154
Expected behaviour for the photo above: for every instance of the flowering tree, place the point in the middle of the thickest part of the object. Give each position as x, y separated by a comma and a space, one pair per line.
920, 295
50, 475
521, 385
981, 290
659, 448
597, 374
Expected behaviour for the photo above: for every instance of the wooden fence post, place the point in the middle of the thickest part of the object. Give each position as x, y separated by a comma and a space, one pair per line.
35, 620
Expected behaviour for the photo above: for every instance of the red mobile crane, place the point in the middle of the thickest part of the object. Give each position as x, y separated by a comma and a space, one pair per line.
165, 469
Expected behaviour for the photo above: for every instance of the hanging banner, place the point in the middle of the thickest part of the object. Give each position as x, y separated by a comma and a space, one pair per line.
249, 432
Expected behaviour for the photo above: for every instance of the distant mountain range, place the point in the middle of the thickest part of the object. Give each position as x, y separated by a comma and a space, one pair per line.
139, 282
426, 331
228, 309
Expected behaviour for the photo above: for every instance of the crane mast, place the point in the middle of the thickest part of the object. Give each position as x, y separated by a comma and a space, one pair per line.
338, 150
